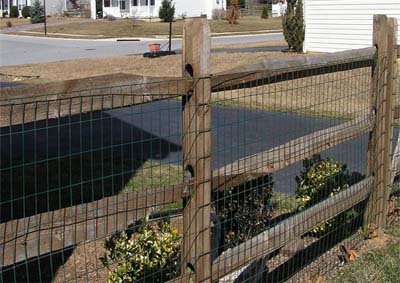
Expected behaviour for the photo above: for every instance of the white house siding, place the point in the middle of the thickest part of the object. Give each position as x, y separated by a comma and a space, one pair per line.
53, 7
187, 8
337, 25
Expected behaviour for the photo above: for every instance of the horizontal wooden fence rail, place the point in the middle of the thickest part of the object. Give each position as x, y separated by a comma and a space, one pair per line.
20, 238
32, 236
45, 101
289, 229
272, 70
52, 100
296, 150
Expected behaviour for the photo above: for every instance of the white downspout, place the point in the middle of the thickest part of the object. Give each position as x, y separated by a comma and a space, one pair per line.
305, 44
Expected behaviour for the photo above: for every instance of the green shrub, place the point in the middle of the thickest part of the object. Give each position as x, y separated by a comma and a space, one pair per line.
321, 179
244, 211
26, 11
293, 25
265, 13
167, 11
151, 254
14, 13
37, 13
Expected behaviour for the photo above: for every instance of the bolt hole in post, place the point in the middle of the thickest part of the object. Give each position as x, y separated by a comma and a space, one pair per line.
188, 177
189, 70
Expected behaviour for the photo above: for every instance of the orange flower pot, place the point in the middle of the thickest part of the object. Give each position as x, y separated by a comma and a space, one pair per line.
154, 48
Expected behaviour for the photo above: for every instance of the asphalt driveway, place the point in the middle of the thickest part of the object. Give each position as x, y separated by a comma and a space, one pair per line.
153, 132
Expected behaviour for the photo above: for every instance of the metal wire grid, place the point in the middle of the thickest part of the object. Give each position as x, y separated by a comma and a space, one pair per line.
67, 161
269, 113
90, 170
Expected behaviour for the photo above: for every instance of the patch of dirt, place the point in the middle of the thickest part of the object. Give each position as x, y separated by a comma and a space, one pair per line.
84, 264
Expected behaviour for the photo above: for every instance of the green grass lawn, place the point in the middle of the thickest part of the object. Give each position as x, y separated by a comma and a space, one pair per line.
130, 28
378, 265
152, 174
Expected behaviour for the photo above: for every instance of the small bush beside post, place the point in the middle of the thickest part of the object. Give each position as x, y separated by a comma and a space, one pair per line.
150, 254
321, 179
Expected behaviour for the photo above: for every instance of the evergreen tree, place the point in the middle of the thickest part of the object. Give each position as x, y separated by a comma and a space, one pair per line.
37, 13
167, 11
293, 25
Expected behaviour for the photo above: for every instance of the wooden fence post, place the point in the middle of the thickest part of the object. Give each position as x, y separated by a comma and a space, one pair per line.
380, 143
196, 128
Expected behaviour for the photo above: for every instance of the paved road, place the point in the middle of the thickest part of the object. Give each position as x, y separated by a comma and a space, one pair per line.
17, 50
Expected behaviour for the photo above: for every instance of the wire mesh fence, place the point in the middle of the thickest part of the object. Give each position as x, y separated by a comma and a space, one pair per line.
77, 179
247, 176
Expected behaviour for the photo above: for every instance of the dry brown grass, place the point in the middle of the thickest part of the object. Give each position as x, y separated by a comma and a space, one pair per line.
14, 22
129, 28
342, 94
164, 66
251, 44
19, 22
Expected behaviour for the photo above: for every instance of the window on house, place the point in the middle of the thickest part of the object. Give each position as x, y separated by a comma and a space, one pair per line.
152, 2
143, 2
134, 2
106, 3
122, 4
114, 3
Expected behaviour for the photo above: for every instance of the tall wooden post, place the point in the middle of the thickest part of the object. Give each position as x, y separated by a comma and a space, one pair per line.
380, 143
196, 120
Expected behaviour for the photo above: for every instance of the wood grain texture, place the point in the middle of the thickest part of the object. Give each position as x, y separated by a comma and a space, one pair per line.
273, 70
52, 100
59, 99
296, 150
33, 236
196, 149
380, 143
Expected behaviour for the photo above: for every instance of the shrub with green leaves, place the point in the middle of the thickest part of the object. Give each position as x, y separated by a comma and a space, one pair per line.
265, 13
167, 11
14, 13
150, 254
37, 13
26, 12
321, 179
244, 211
293, 25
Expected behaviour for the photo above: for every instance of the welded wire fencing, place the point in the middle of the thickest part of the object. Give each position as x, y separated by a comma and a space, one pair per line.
266, 173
